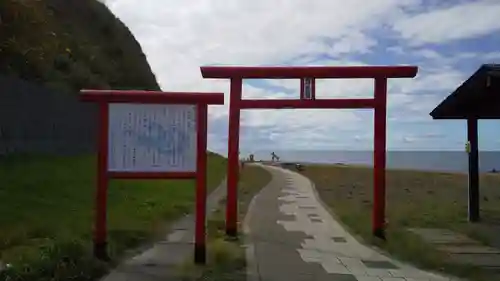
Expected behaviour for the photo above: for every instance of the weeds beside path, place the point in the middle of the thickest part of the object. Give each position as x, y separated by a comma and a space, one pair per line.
226, 259
46, 212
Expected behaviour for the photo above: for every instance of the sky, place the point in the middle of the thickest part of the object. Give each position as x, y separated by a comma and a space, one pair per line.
447, 39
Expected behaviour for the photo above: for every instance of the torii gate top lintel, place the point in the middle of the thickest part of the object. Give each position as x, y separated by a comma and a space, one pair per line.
307, 76
296, 72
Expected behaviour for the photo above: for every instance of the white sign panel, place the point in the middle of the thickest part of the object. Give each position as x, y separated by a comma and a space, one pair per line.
308, 83
152, 138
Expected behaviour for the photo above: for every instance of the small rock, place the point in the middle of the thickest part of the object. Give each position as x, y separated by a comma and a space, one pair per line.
4, 266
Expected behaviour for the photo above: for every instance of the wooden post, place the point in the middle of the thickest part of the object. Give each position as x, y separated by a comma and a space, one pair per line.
100, 220
379, 159
233, 161
201, 184
472, 136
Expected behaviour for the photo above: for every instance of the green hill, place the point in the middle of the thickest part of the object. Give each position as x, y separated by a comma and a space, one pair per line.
70, 44
47, 201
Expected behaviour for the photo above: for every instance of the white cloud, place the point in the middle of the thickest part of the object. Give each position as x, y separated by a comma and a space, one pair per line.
492, 56
435, 58
441, 79
462, 21
344, 88
424, 93
428, 54
421, 137
396, 49
299, 119
409, 139
353, 42
180, 36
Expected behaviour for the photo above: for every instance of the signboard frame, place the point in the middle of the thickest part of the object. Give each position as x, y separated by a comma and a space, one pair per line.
106, 97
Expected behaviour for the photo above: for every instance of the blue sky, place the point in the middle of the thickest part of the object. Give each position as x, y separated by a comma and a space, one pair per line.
447, 40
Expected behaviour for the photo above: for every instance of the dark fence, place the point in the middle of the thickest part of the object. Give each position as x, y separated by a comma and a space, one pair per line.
34, 119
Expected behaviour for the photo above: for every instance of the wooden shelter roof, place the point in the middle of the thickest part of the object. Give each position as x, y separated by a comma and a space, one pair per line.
477, 97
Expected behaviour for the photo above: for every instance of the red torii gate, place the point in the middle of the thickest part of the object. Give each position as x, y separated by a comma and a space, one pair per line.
307, 76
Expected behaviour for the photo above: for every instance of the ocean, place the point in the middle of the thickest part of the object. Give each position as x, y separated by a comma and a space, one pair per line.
446, 161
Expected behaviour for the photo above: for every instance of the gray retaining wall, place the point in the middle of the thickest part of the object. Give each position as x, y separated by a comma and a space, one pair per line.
34, 119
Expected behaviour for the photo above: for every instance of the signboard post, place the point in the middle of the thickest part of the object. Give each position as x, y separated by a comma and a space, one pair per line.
151, 135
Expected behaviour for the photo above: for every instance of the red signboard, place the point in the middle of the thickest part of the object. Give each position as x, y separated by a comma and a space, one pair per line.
151, 135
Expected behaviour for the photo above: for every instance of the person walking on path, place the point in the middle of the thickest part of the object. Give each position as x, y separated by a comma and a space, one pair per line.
274, 157
291, 236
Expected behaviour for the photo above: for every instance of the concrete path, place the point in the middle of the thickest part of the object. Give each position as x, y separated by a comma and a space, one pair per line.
293, 237
161, 261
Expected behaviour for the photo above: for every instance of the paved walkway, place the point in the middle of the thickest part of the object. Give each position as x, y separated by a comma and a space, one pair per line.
293, 237
160, 262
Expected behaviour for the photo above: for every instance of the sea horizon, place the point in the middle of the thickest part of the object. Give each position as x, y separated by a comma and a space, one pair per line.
425, 160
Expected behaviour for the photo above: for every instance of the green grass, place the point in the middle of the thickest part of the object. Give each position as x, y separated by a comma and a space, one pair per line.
226, 259
414, 199
47, 203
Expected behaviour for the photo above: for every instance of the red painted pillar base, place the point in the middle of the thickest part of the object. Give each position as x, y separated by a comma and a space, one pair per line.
200, 254
379, 233
100, 251
232, 233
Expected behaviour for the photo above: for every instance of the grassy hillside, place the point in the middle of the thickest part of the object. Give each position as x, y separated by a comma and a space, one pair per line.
70, 44
47, 208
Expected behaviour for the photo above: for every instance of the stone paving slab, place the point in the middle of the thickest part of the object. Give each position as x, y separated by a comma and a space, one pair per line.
294, 237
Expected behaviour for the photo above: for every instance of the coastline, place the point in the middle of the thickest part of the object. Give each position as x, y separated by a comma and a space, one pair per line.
346, 165
442, 162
